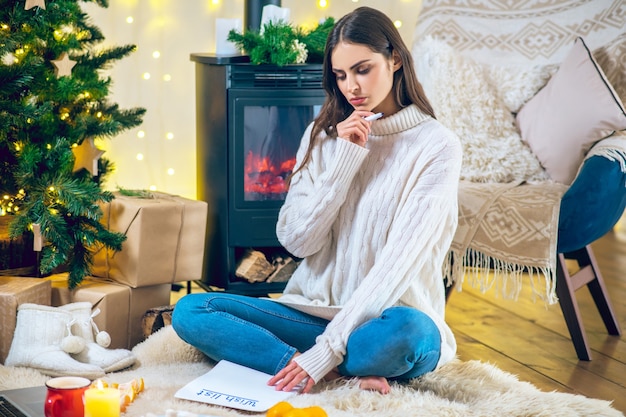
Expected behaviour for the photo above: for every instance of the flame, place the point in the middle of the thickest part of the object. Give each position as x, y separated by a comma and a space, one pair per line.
262, 176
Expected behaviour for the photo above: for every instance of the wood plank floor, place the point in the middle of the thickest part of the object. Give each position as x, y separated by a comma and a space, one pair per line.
530, 340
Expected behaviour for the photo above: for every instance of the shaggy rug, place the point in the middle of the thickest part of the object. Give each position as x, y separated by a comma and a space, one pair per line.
457, 389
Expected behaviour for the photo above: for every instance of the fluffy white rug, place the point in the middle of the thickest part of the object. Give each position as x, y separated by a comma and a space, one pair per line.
458, 389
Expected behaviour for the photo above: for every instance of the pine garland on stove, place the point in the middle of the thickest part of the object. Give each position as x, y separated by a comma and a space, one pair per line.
53, 108
281, 43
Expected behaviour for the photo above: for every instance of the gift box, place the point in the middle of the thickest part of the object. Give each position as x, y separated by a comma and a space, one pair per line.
121, 307
165, 240
13, 292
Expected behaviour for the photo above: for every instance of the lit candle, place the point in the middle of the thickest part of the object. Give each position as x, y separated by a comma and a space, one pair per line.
102, 402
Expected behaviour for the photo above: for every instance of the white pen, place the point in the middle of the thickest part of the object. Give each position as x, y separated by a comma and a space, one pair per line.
373, 117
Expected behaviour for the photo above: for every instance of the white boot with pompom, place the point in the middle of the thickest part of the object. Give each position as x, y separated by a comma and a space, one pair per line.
42, 341
95, 351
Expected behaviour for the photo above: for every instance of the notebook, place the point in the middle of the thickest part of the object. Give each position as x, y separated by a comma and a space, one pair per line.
23, 402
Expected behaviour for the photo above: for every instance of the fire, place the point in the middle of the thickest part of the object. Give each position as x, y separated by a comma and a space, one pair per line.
263, 177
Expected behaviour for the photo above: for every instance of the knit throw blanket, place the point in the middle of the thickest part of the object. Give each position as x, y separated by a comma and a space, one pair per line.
510, 229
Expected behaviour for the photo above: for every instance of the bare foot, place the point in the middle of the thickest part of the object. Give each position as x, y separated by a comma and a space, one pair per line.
375, 383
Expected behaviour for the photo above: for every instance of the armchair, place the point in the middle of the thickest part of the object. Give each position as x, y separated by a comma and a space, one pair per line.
533, 91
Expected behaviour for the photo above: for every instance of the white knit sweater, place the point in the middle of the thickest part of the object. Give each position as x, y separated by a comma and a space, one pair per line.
374, 225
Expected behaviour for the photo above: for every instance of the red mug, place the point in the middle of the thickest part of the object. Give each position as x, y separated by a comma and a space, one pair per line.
66, 396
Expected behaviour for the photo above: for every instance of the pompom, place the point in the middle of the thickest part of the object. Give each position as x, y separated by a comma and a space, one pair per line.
73, 344
103, 339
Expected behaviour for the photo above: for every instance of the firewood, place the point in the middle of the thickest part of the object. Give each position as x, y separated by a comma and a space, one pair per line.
284, 270
254, 267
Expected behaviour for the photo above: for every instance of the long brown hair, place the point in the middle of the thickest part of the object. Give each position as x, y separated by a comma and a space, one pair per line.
370, 27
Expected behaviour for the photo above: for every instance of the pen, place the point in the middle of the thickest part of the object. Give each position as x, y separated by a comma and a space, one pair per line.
373, 117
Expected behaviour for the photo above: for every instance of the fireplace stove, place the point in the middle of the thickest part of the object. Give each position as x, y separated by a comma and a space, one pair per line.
249, 121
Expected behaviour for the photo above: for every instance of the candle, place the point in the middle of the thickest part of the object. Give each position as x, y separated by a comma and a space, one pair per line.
102, 402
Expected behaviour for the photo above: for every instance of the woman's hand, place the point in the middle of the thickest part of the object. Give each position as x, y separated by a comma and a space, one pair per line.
290, 376
355, 128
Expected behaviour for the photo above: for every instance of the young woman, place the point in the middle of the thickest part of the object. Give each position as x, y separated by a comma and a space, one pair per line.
371, 209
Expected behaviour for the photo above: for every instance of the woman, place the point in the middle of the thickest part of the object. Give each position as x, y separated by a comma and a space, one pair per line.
371, 209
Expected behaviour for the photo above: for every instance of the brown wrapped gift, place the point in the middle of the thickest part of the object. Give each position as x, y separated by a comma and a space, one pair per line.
13, 292
121, 307
165, 240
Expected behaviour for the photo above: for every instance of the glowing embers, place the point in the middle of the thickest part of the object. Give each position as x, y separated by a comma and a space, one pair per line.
264, 179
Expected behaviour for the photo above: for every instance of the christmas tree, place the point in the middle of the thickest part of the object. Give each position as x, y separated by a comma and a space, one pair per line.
53, 107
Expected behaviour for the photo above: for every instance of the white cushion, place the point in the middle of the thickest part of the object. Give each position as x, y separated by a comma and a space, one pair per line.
570, 114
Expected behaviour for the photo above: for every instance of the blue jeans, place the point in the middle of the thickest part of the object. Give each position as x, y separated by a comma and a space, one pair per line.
264, 335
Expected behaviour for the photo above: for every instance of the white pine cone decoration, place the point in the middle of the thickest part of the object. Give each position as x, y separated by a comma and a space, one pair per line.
303, 53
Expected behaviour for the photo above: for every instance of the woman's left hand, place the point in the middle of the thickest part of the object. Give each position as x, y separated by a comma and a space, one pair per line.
291, 376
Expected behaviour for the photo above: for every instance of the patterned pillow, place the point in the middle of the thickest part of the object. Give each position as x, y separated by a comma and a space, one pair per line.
572, 112
466, 101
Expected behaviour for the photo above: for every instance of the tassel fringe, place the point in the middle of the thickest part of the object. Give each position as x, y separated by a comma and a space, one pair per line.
484, 272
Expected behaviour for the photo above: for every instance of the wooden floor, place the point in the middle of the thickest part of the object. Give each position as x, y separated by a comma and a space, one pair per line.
531, 341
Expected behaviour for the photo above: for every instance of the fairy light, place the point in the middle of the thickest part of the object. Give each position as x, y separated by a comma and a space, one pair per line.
4, 207
146, 75
170, 171
65, 114
167, 77
169, 136
398, 24
141, 134
139, 157
156, 54
130, 20
322, 4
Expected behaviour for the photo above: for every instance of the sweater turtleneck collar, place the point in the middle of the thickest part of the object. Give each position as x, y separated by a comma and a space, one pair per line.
402, 120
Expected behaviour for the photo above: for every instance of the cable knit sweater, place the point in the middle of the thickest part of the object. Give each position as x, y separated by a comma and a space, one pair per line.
373, 225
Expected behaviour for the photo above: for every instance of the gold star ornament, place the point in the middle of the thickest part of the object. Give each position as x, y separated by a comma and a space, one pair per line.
86, 155
63, 65
35, 3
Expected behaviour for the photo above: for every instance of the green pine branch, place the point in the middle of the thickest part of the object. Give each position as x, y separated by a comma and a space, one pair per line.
315, 40
276, 44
